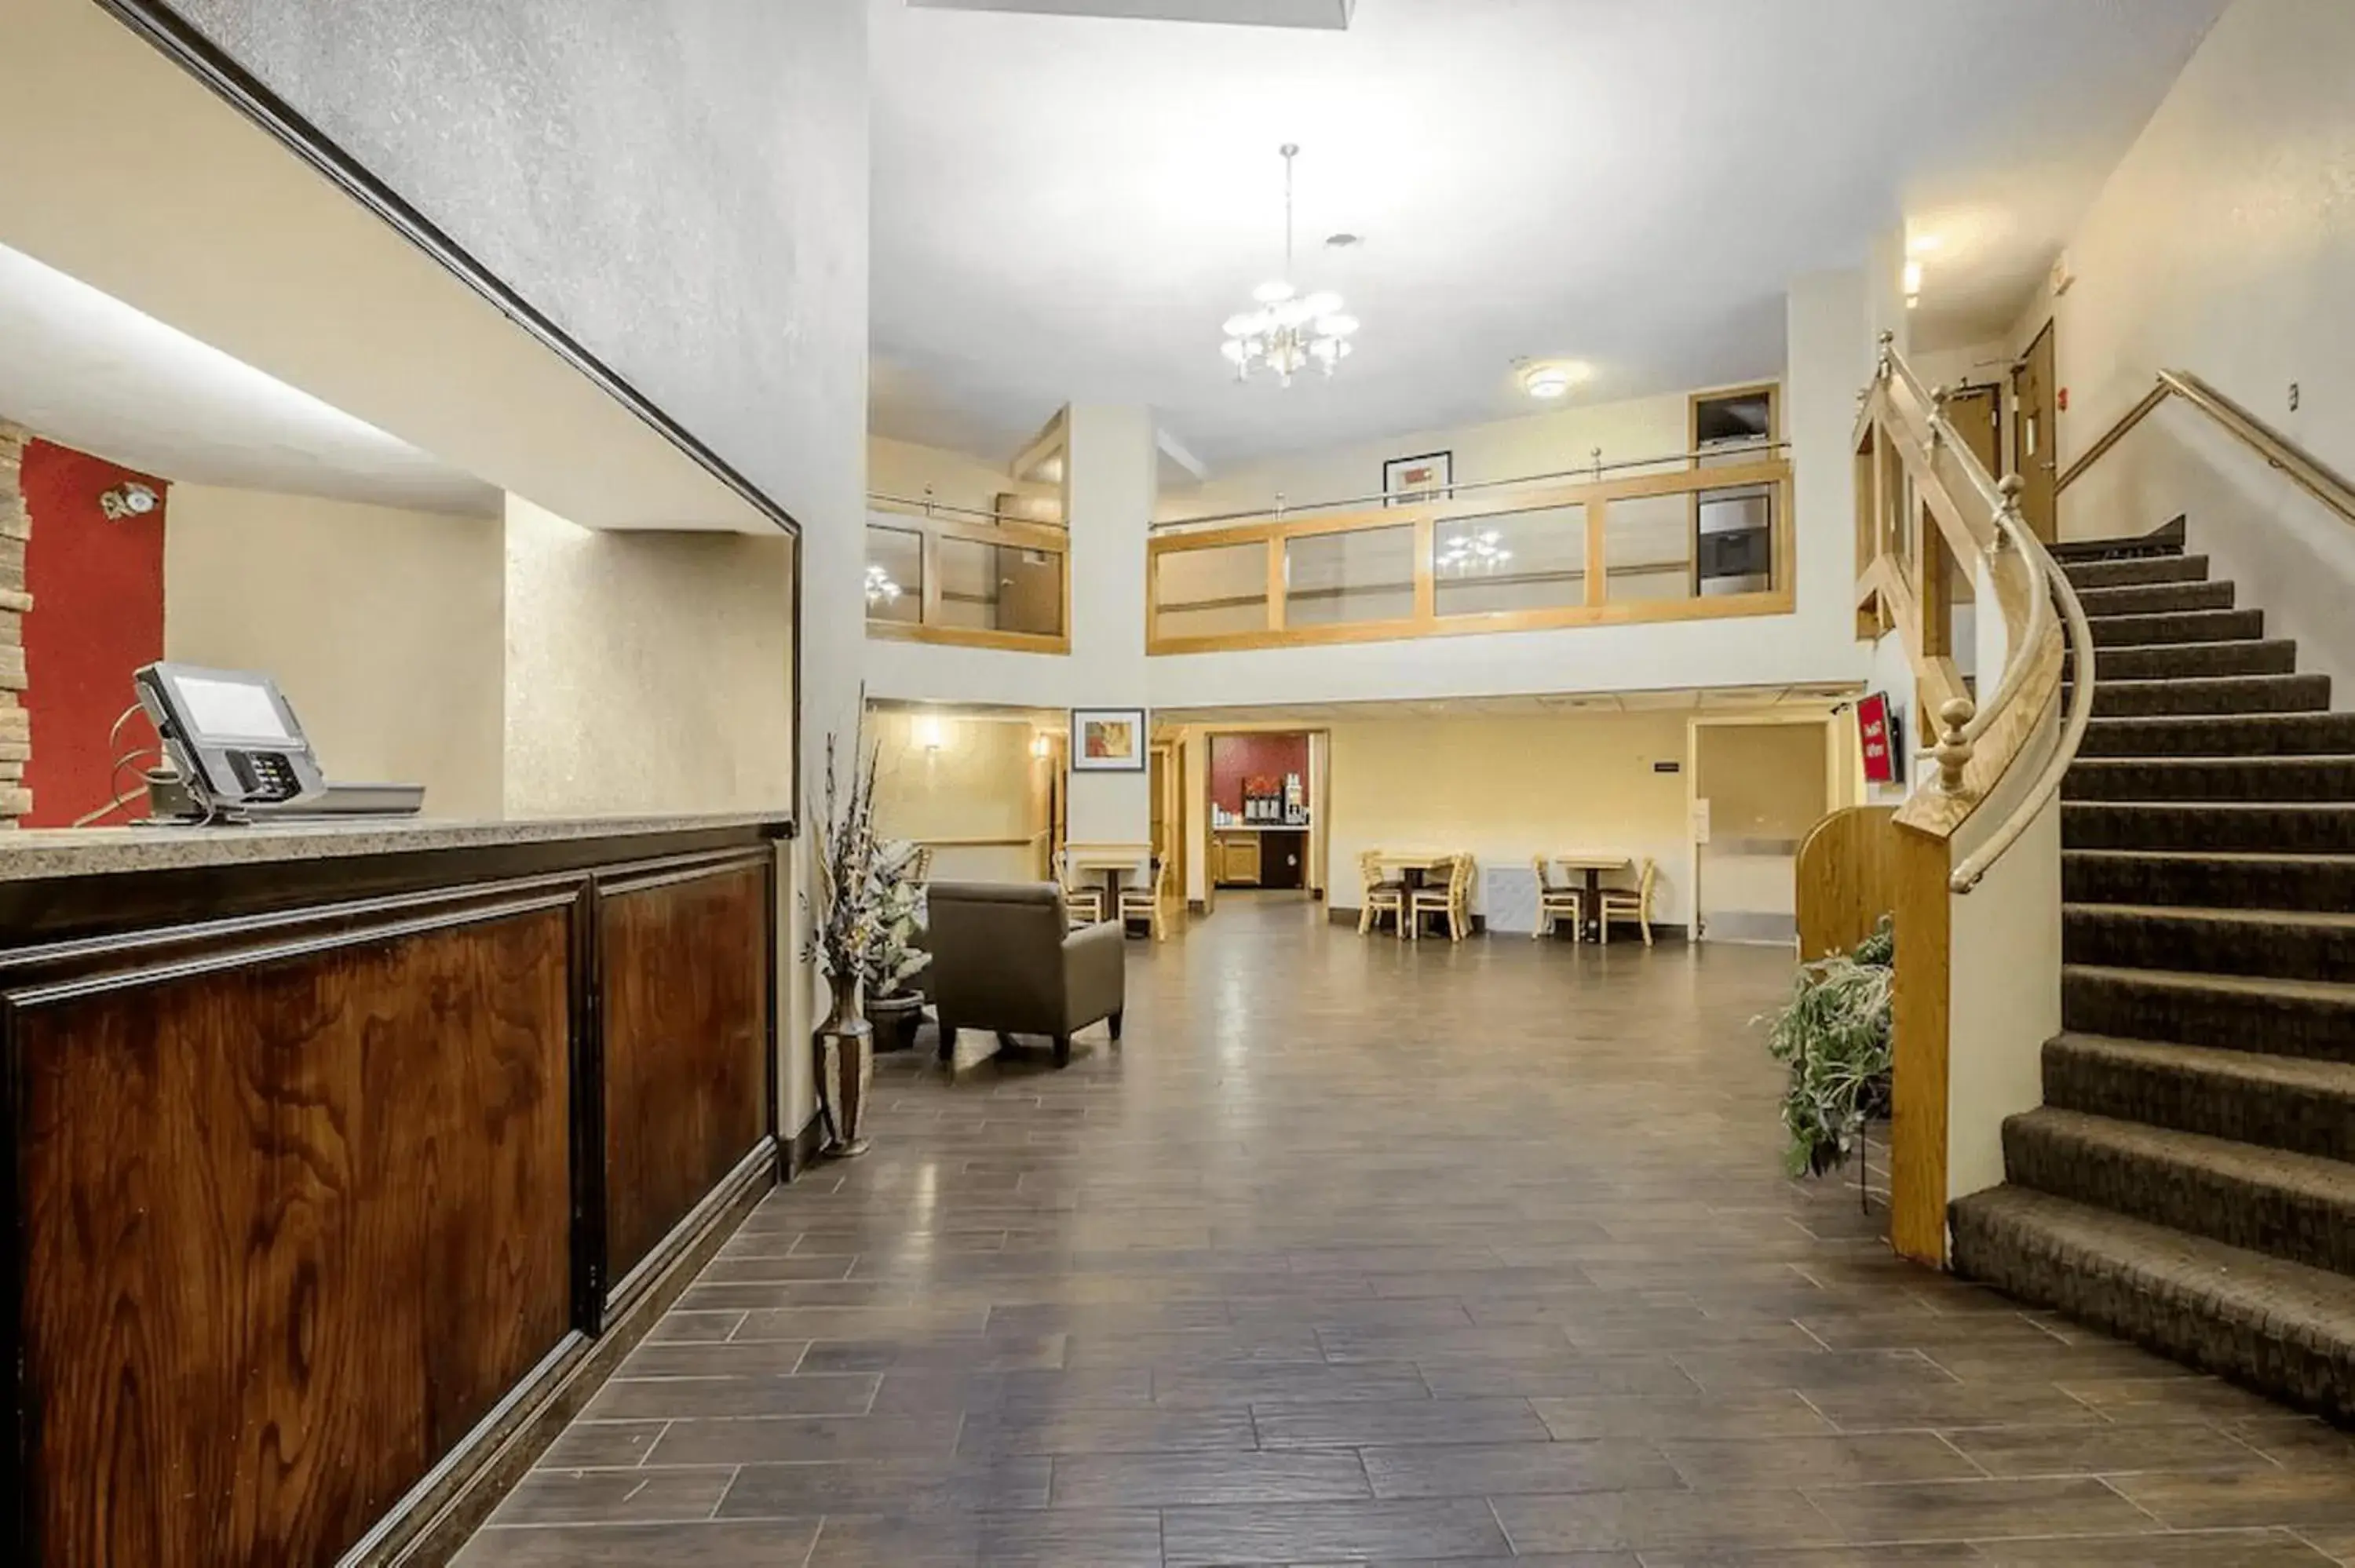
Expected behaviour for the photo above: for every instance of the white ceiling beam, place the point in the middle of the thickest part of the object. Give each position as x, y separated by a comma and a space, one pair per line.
1332, 15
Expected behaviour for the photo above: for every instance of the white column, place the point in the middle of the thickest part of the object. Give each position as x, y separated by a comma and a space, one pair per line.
1112, 457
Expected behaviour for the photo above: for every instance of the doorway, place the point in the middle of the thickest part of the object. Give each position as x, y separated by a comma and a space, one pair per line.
1261, 796
2034, 437
1757, 786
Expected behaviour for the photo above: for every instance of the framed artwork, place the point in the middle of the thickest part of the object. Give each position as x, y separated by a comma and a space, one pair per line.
1107, 740
1410, 480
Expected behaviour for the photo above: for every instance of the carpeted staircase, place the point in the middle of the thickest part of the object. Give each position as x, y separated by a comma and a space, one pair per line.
2190, 1179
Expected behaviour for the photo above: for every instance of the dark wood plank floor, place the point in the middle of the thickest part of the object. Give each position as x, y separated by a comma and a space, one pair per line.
1359, 1253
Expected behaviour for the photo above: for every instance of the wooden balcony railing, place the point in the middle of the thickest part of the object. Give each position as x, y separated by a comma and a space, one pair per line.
1706, 538
968, 578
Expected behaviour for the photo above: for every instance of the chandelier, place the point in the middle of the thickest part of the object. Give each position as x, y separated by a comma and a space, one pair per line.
880, 588
1471, 550
1288, 331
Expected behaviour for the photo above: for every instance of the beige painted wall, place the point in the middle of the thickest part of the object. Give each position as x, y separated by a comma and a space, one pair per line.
979, 782
646, 671
1505, 788
382, 626
2223, 244
1503, 449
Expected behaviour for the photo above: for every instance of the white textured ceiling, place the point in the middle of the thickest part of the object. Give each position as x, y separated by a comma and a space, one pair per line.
88, 371
1066, 207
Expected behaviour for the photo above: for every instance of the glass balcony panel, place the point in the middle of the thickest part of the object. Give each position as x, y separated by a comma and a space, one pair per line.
1509, 561
1647, 548
1337, 579
1001, 588
1215, 592
895, 575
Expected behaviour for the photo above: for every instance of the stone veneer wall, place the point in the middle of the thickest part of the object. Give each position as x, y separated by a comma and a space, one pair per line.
16, 726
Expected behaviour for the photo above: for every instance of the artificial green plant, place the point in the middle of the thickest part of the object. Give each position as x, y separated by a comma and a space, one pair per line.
1834, 1037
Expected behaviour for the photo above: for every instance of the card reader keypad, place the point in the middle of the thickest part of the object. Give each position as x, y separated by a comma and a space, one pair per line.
264, 775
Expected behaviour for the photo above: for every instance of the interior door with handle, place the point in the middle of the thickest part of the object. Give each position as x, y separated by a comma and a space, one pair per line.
2035, 446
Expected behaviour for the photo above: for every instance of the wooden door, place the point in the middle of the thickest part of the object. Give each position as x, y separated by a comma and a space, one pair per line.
2034, 446
1976, 414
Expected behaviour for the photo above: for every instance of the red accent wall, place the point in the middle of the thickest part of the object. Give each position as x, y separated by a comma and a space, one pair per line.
1235, 757
98, 614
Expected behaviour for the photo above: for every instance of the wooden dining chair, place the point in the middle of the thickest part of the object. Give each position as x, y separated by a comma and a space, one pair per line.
1082, 905
1452, 898
1149, 903
1382, 896
1634, 904
1558, 900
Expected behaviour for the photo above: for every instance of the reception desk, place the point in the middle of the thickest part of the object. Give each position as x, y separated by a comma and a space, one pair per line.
345, 1159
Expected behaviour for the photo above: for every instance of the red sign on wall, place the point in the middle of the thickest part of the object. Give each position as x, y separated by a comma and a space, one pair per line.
1877, 729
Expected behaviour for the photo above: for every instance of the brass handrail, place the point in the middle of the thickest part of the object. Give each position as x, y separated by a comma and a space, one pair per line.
2302, 469
925, 506
1750, 451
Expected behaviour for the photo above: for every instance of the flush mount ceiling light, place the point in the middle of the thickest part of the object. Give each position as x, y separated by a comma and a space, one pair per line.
1552, 378
1288, 331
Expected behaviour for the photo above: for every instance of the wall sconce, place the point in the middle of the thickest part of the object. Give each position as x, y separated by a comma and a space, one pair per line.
1040, 745
127, 500
928, 733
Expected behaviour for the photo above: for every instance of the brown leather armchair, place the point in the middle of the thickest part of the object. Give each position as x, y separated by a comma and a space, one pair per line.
1003, 961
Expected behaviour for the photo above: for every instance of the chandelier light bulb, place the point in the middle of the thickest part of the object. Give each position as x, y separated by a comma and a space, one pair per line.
1289, 330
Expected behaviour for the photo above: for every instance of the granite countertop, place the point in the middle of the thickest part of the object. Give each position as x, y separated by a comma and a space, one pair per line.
29, 854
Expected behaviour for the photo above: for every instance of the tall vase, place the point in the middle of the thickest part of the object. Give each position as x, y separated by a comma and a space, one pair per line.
846, 1071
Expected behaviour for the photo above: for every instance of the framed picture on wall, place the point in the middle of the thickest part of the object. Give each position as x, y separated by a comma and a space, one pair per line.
1410, 481
1107, 740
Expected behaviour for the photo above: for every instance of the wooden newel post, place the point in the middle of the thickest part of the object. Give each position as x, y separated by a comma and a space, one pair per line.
2009, 487
1954, 750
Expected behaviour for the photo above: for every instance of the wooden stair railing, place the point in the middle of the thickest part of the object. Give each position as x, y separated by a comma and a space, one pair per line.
1928, 514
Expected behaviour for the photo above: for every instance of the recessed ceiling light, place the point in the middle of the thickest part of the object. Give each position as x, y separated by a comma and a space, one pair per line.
1552, 378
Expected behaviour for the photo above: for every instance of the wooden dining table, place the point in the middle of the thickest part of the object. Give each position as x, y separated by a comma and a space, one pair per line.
1412, 866
1592, 864
1111, 861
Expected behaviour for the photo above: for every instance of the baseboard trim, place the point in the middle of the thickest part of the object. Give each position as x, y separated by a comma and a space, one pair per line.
1197, 906
802, 1148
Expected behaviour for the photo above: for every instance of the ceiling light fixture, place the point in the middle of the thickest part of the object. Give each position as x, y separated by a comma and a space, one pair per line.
1552, 380
880, 588
129, 498
1288, 331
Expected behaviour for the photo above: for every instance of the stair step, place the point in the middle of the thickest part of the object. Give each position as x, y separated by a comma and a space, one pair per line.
2308, 779
2281, 1327
2155, 598
2281, 1102
2278, 827
2234, 734
2282, 944
2188, 626
2086, 575
2181, 698
2288, 1205
2172, 661
2208, 880
2167, 539
2232, 1013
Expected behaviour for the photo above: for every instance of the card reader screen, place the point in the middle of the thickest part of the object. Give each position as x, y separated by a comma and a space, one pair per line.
223, 710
